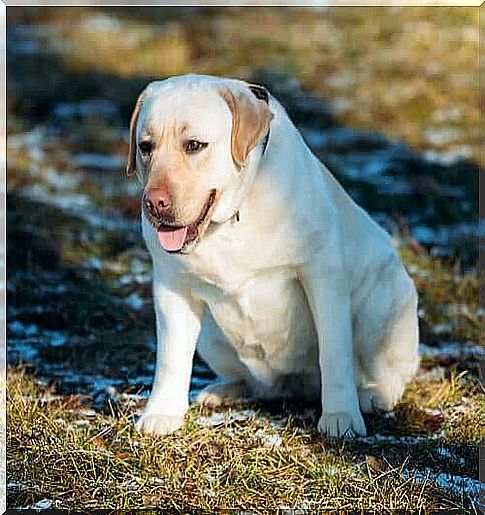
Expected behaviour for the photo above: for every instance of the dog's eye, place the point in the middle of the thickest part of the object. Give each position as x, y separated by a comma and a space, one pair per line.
145, 147
192, 145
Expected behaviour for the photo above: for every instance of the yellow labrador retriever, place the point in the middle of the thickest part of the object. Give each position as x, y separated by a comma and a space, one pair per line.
261, 260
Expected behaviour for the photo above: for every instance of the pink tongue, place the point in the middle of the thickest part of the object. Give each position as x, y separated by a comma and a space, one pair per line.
172, 240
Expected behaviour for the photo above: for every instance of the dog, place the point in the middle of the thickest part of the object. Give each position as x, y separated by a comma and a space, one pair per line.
261, 261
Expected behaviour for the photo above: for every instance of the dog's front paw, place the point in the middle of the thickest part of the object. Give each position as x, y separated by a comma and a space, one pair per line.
342, 424
157, 424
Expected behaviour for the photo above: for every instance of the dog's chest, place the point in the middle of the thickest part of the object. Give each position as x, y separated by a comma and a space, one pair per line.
265, 317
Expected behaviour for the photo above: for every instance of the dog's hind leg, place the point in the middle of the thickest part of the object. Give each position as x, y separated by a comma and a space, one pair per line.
395, 362
220, 355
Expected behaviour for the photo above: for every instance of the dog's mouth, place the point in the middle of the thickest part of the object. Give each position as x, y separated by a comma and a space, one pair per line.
176, 238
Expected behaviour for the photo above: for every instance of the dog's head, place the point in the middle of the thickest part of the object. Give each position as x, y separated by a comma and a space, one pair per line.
191, 138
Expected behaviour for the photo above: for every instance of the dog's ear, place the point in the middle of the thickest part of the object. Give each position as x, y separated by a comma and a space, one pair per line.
260, 92
250, 119
131, 162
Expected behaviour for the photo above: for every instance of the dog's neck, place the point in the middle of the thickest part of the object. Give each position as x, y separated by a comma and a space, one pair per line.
234, 197
258, 159
264, 144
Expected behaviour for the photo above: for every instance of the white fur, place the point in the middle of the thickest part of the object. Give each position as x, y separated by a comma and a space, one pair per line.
303, 297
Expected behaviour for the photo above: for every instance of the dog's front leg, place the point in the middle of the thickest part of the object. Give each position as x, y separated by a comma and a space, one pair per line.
178, 326
328, 293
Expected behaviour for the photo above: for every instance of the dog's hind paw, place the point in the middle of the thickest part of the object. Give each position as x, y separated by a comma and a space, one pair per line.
157, 424
219, 394
381, 398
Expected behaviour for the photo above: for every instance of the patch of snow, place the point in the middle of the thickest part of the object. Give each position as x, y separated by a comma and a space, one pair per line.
31, 139
135, 301
457, 484
419, 272
90, 107
43, 504
16, 485
54, 288
214, 474
143, 278
22, 329
403, 440
216, 419
341, 80
146, 380
286, 510
454, 349
71, 202
424, 234
444, 328
435, 373
87, 412
457, 309
442, 136
93, 383
21, 350
387, 185
342, 105
451, 156
100, 161
270, 440
227, 417
278, 423
432, 412
442, 235
94, 263
111, 391
81, 423
446, 453
62, 180
55, 338
79, 205
49, 398
101, 23
26, 47
138, 266
446, 115
125, 279
134, 396
131, 484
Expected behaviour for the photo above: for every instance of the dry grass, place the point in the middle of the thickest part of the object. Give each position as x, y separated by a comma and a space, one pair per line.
410, 73
449, 299
250, 459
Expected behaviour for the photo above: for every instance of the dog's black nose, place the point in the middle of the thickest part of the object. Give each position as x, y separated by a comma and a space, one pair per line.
157, 202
